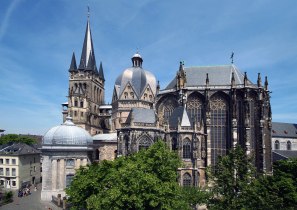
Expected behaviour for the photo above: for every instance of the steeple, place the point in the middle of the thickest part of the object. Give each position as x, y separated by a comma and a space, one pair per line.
73, 66
87, 60
101, 74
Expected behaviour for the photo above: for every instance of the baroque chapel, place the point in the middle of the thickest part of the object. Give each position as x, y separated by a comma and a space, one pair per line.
201, 114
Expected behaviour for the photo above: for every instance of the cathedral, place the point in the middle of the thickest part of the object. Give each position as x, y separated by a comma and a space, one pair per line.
201, 114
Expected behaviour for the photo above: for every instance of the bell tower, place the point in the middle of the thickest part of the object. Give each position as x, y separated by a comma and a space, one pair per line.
86, 88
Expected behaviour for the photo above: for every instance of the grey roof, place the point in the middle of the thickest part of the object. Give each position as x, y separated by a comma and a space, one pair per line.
283, 154
179, 115
73, 66
105, 137
141, 115
18, 149
218, 76
285, 130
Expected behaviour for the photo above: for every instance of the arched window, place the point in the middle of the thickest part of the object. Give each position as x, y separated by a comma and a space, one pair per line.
69, 178
276, 145
168, 111
289, 145
187, 180
82, 104
144, 143
75, 103
194, 107
187, 148
219, 127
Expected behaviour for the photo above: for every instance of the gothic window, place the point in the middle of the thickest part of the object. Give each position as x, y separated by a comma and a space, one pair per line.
194, 108
276, 145
186, 148
144, 143
168, 109
75, 103
187, 180
69, 178
145, 96
289, 145
132, 95
125, 95
240, 121
82, 104
219, 126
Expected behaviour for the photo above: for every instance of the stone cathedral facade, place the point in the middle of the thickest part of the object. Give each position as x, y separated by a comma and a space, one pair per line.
201, 114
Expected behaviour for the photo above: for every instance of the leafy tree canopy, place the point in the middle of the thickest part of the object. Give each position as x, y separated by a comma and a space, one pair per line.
145, 180
16, 138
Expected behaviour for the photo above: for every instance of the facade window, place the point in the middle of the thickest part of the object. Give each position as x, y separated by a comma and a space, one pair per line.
82, 114
194, 108
1, 171
125, 95
70, 162
13, 172
187, 180
1, 161
69, 178
7, 161
75, 103
13, 161
219, 133
289, 145
75, 113
7, 172
187, 148
276, 145
1, 182
13, 183
174, 144
144, 143
81, 104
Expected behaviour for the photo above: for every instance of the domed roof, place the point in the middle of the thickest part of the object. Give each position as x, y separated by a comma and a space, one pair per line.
137, 77
67, 134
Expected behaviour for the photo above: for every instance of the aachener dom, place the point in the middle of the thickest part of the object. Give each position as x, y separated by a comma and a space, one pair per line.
202, 113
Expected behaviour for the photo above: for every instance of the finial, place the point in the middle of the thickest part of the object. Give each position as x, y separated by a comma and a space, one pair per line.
266, 83
259, 81
245, 79
231, 57
207, 79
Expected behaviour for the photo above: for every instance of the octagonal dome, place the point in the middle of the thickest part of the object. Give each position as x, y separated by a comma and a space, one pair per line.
67, 134
137, 77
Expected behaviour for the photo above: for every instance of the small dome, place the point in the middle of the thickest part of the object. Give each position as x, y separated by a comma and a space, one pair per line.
67, 134
137, 77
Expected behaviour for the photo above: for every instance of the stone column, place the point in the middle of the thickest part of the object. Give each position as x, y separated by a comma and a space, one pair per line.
84, 163
54, 174
77, 163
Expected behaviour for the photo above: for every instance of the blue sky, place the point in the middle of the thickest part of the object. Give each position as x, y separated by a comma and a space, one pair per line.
37, 39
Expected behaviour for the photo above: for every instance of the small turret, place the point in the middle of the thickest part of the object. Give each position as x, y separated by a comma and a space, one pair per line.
73, 66
245, 79
259, 81
207, 80
101, 74
266, 83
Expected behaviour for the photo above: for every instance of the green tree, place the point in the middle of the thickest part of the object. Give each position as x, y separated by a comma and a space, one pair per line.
145, 180
229, 180
16, 138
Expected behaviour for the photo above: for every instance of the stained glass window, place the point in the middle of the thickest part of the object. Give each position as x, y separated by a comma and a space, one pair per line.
144, 143
187, 180
186, 148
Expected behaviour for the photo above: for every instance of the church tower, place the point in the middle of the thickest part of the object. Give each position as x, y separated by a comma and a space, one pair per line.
86, 89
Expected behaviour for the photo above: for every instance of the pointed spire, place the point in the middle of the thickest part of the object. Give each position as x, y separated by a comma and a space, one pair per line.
266, 83
91, 66
87, 50
259, 81
101, 74
73, 66
207, 80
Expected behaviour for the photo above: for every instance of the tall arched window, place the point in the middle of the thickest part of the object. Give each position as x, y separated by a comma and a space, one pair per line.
289, 145
276, 145
144, 143
194, 107
187, 148
219, 127
174, 143
168, 111
187, 180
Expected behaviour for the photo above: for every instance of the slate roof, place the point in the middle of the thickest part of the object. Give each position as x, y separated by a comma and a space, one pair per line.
283, 154
141, 115
105, 137
18, 149
179, 114
285, 130
218, 76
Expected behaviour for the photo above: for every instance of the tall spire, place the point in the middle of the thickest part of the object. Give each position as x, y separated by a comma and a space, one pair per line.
87, 54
